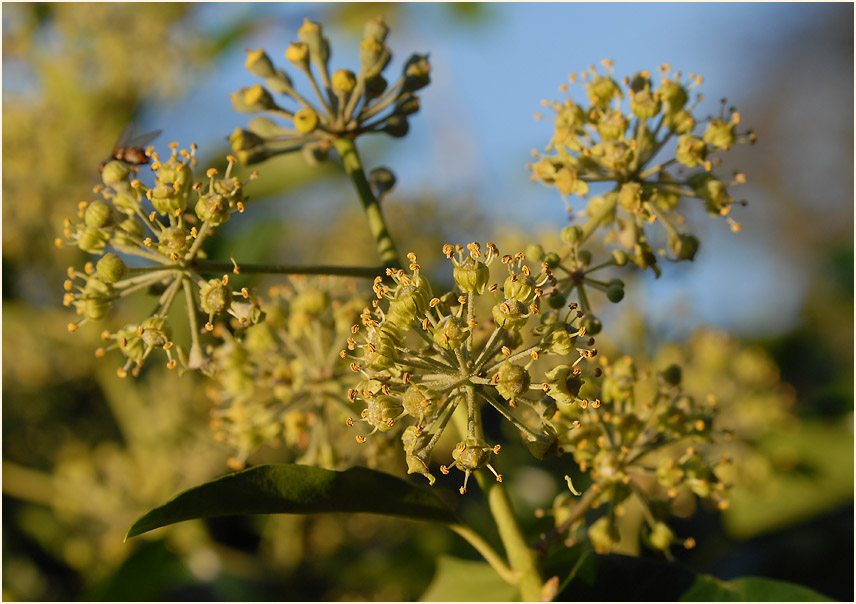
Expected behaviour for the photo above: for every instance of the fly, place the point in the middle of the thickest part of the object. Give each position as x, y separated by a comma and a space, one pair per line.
131, 150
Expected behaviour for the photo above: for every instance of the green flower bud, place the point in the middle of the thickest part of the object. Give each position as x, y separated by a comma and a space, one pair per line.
564, 385
472, 454
683, 246
534, 251
552, 260
630, 196
519, 287
557, 300
559, 341
381, 412
110, 268
584, 257
155, 332
305, 120
377, 30
213, 208
567, 183
673, 94
720, 134
174, 240
310, 33
511, 314
115, 173
712, 191
604, 535
407, 104
298, 54
259, 64
513, 381
419, 402
375, 86
691, 151
679, 122
130, 343
661, 537
615, 292
166, 200
672, 375
396, 126
280, 83
382, 180
592, 324
93, 239
379, 354
571, 234
450, 333
132, 227
471, 276
612, 125
252, 100
619, 257
374, 57
214, 297
96, 299
645, 105
408, 302
98, 214
343, 80
601, 90
416, 73
243, 140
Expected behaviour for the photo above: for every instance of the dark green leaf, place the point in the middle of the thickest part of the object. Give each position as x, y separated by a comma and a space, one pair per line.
625, 578
294, 489
459, 580
749, 589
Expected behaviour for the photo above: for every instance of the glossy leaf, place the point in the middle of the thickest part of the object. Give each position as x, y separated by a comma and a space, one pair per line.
295, 489
458, 580
625, 578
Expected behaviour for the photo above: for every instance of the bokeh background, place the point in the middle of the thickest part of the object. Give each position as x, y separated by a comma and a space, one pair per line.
85, 453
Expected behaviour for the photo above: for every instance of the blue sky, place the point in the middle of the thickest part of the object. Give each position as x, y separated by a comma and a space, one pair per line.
476, 128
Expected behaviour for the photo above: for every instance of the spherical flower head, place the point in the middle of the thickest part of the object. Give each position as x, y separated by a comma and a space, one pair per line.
472, 454
519, 287
213, 208
564, 383
645, 104
612, 125
215, 297
673, 94
167, 199
513, 381
174, 241
559, 341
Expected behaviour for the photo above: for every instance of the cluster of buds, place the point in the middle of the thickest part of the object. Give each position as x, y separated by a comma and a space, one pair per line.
422, 357
163, 227
643, 439
625, 142
282, 380
349, 104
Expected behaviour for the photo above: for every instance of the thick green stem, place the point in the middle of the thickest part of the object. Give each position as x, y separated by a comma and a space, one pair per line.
520, 555
353, 166
487, 552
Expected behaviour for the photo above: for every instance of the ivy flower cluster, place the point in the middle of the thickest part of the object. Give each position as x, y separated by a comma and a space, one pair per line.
348, 104
282, 380
165, 227
648, 440
651, 149
421, 357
